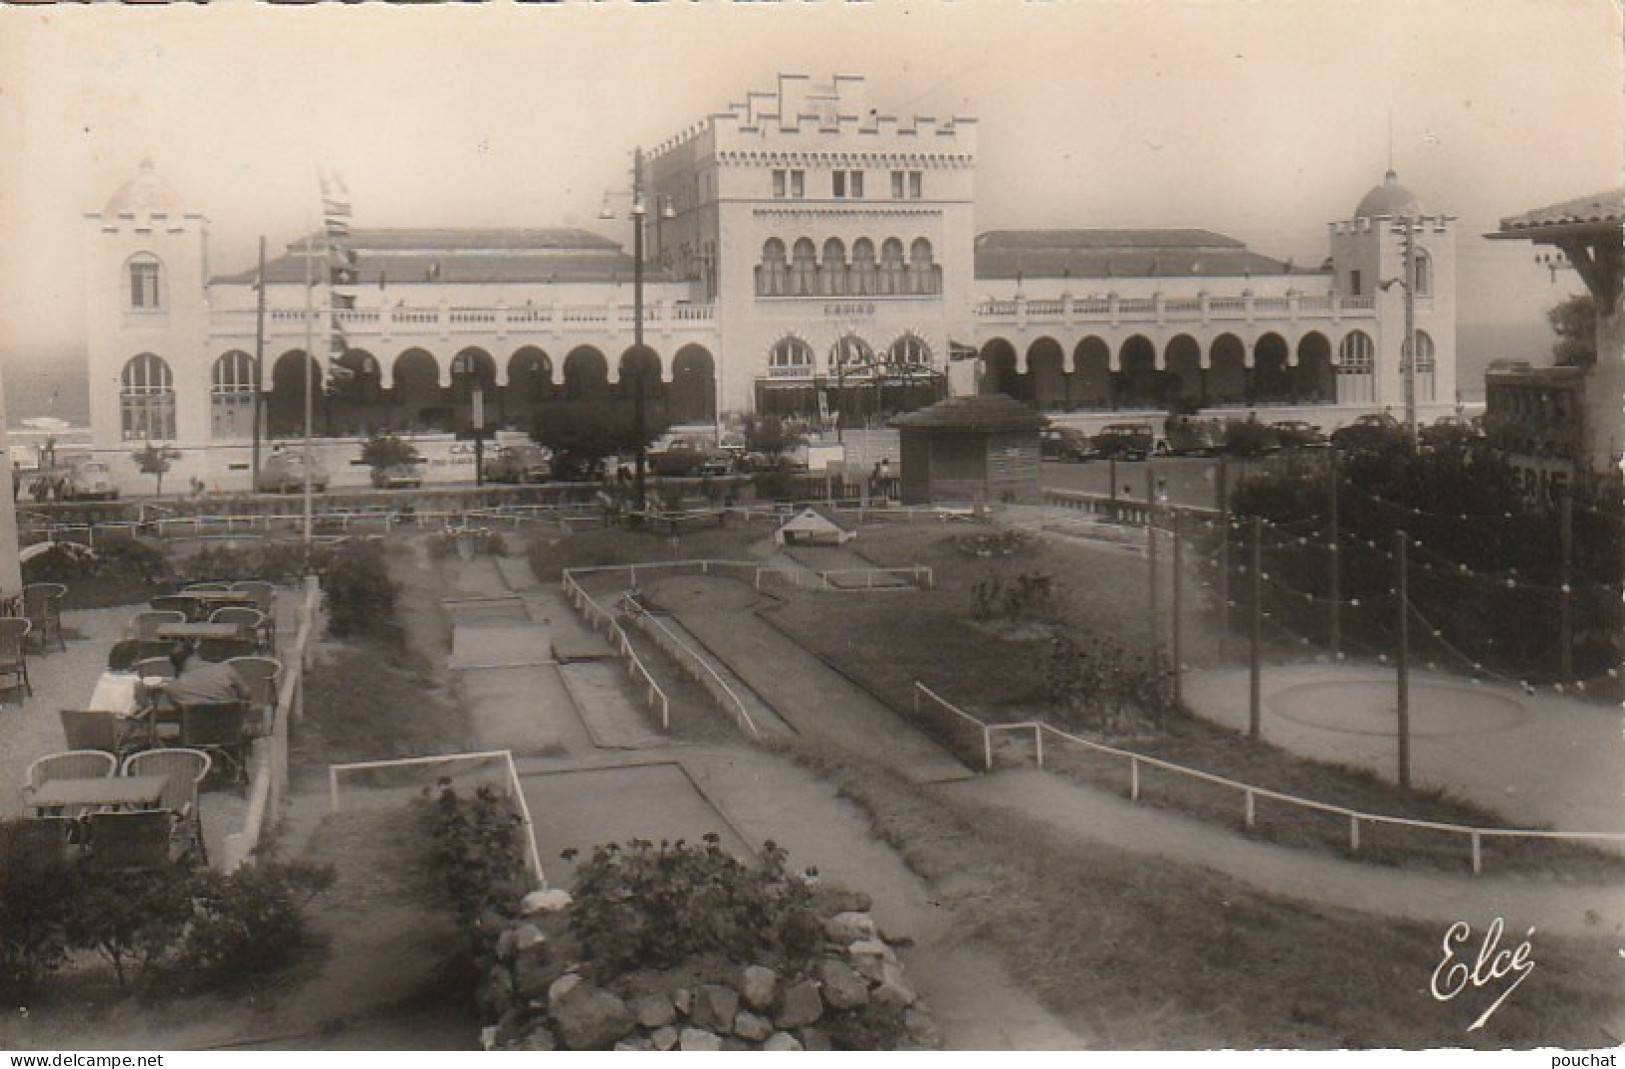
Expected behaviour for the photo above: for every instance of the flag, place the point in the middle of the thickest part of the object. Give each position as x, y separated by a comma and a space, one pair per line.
958, 351
335, 208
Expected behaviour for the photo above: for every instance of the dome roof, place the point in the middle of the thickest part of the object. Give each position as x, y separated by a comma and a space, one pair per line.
146, 192
1389, 200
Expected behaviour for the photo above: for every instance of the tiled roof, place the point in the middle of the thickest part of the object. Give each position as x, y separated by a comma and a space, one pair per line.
1005, 254
1605, 207
467, 256
979, 412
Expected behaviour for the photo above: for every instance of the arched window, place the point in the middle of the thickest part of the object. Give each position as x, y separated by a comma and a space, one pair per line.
852, 352
908, 353
891, 266
147, 400
790, 358
146, 283
862, 276
231, 395
832, 271
804, 269
1424, 274
1356, 363
1425, 362
922, 273
772, 275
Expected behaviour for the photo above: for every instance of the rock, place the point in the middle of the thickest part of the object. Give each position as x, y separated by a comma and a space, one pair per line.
748, 1025
683, 999
828, 901
590, 1018
842, 988
800, 1005
488, 1037
698, 1039
512, 1026
815, 1039
539, 1038
505, 944
495, 993
664, 1038
534, 972
758, 986
780, 1041
868, 956
654, 1010
715, 1007
544, 902
848, 928
526, 937
735, 1043
635, 1041
563, 986
922, 1028
894, 990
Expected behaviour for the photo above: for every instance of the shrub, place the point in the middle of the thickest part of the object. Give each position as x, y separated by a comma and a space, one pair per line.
481, 541
252, 919
130, 917
647, 905
1029, 596
34, 901
480, 854
360, 596
1101, 687
277, 562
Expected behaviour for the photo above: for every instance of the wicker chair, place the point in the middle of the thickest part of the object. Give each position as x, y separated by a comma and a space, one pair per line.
42, 605
249, 621
213, 584
265, 601
145, 625
97, 729
162, 667
14, 651
190, 608
263, 675
139, 841
35, 843
219, 729
186, 770
71, 764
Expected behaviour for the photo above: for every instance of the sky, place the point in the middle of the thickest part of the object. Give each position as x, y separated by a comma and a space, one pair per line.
1261, 119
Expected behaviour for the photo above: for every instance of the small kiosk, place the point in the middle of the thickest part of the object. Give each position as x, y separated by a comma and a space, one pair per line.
970, 450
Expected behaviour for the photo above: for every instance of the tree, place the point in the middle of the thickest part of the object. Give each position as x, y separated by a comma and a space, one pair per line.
384, 450
1574, 321
156, 460
769, 437
581, 434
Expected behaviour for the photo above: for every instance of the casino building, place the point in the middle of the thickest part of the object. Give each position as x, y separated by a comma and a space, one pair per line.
806, 253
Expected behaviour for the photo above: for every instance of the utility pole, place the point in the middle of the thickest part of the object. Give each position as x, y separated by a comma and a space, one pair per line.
1409, 350
1255, 657
1151, 564
1178, 616
1336, 586
638, 414
1565, 648
1402, 541
1224, 557
259, 373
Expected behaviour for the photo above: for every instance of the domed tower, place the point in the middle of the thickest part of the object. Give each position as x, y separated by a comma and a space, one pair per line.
146, 319
1368, 257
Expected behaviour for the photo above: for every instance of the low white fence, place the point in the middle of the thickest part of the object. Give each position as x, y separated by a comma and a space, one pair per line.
1250, 793
917, 575
695, 664
602, 619
268, 775
510, 782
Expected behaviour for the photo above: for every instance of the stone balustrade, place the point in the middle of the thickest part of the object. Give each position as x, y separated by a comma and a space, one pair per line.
1113, 310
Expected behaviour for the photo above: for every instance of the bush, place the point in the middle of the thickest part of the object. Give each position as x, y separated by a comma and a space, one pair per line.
642, 905
1029, 596
360, 596
1101, 687
130, 917
276, 562
481, 856
481, 541
250, 920
34, 901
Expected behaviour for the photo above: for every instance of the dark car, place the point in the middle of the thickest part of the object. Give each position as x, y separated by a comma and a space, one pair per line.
1368, 432
398, 476
1126, 441
519, 464
284, 472
1065, 443
1298, 434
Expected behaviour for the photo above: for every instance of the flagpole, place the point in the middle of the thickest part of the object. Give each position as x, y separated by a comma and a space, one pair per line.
259, 372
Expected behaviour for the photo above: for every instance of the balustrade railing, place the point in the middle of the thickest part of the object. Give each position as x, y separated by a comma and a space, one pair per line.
1174, 309
463, 318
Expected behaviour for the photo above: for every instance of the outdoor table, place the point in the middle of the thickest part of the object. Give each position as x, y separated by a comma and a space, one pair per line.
199, 630
215, 599
104, 792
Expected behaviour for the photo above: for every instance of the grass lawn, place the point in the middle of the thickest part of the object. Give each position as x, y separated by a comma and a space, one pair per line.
887, 642
1140, 953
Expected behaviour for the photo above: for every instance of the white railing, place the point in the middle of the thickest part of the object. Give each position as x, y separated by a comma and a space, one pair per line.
695, 664
511, 786
919, 575
601, 618
1251, 792
268, 775
1173, 309
363, 322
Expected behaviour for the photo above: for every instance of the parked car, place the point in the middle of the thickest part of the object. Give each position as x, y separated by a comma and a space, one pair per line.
1298, 434
1368, 432
1194, 437
284, 472
398, 476
519, 464
88, 480
1126, 441
1065, 443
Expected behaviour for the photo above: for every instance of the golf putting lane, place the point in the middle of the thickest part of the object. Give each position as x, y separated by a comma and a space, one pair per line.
582, 808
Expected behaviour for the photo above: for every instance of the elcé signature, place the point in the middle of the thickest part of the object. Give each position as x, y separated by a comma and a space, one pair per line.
1453, 975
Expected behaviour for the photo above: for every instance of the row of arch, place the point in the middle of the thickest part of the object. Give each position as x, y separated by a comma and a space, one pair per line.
1139, 375
793, 357
801, 271
412, 392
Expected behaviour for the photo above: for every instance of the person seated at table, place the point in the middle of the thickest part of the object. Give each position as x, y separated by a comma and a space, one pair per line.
124, 655
197, 680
